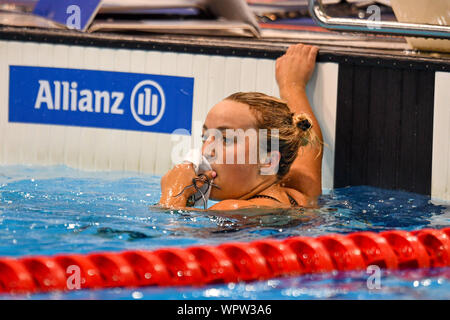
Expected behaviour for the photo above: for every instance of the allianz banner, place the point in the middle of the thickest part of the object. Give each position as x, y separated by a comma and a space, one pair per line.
100, 99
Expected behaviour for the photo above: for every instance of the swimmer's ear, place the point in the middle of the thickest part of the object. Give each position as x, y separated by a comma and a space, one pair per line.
270, 164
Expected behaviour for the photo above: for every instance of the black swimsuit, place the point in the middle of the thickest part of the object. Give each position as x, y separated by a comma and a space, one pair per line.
291, 200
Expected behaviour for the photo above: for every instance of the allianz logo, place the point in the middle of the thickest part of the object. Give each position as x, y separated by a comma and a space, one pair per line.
147, 100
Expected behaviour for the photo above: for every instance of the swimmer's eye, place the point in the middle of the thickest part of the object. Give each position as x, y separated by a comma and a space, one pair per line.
229, 140
225, 140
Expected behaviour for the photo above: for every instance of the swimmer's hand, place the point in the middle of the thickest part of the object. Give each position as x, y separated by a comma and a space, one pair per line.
295, 68
175, 190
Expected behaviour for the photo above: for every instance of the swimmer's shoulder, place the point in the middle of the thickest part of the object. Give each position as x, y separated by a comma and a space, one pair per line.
232, 204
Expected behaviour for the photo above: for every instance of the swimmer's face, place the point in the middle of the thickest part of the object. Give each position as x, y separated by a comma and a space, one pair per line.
235, 177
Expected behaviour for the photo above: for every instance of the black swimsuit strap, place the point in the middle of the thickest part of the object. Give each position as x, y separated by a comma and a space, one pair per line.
264, 196
291, 200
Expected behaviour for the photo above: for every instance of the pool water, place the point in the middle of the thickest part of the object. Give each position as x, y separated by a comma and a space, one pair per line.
52, 210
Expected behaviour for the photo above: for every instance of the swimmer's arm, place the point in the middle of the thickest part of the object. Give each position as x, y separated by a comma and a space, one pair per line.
222, 205
305, 174
293, 71
241, 204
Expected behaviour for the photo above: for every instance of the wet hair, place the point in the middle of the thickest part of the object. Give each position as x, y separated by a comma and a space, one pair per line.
294, 130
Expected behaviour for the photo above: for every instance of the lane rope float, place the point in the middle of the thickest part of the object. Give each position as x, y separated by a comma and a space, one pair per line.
228, 262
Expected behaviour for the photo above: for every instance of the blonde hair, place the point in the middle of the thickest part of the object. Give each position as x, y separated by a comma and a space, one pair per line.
294, 130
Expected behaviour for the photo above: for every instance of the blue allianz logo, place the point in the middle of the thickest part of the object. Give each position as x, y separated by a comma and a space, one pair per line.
100, 99
151, 102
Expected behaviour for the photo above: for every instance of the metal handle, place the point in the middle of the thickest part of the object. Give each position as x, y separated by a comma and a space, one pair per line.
381, 27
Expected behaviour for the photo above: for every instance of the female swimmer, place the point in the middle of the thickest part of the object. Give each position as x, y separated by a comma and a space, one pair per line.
295, 179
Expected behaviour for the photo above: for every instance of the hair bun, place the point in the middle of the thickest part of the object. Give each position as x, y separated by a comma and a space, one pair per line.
302, 122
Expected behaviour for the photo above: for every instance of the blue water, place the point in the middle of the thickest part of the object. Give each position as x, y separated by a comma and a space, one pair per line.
50, 210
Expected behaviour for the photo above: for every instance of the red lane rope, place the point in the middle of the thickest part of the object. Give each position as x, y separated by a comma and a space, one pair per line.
229, 262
